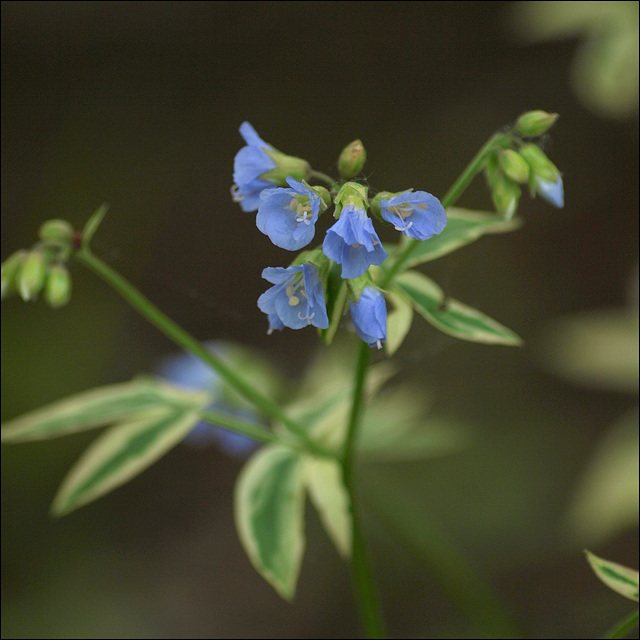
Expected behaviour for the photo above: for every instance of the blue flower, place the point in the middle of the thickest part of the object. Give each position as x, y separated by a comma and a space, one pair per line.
288, 216
185, 370
296, 299
250, 163
552, 192
416, 214
353, 242
369, 317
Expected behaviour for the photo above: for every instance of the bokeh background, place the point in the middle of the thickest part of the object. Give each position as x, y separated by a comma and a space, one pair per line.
138, 104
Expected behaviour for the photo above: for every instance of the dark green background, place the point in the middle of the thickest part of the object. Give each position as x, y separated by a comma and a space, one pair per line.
138, 104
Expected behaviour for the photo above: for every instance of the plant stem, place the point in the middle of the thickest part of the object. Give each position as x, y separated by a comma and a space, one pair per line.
249, 429
362, 578
449, 198
323, 177
183, 339
624, 627
361, 574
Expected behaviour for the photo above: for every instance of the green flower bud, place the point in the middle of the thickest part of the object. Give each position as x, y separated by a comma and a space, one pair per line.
514, 165
351, 193
285, 166
57, 291
506, 194
33, 274
59, 231
540, 165
375, 203
535, 123
10, 269
325, 196
352, 159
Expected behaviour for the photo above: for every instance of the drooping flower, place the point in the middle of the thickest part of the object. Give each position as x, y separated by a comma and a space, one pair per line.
552, 192
369, 317
259, 166
416, 214
353, 242
288, 216
250, 163
185, 370
296, 299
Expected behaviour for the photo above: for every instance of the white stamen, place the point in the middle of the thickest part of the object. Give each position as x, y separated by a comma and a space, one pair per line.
378, 344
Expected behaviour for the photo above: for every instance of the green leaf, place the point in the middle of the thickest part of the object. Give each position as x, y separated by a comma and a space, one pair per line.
449, 315
463, 227
121, 453
92, 224
399, 322
269, 514
617, 577
95, 408
329, 496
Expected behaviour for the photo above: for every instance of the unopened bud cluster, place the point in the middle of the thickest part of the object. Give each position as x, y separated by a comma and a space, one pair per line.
41, 270
523, 162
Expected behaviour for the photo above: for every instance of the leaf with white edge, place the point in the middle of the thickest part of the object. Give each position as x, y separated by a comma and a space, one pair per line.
96, 408
463, 227
399, 321
269, 514
121, 453
449, 315
93, 223
616, 576
329, 496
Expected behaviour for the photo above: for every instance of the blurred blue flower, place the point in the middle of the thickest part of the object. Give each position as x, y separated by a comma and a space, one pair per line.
416, 214
353, 242
288, 216
249, 164
552, 192
369, 317
189, 372
296, 299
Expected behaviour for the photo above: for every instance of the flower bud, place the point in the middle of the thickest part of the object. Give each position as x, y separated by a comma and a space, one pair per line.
325, 196
506, 194
514, 165
352, 159
33, 274
57, 290
541, 167
10, 269
286, 166
535, 123
59, 231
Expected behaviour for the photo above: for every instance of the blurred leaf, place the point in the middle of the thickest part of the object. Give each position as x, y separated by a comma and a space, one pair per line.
597, 348
463, 227
93, 223
97, 407
617, 577
606, 501
269, 514
329, 496
399, 322
449, 315
120, 454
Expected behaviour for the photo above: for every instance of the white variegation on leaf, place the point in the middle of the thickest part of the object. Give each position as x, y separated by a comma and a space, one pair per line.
616, 576
399, 321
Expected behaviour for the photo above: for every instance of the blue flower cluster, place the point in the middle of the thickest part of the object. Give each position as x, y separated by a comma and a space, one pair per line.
288, 216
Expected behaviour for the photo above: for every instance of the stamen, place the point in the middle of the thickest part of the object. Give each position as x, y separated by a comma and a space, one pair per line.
378, 344
293, 301
293, 204
289, 290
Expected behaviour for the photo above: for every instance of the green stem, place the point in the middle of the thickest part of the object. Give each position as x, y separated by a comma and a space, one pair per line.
323, 177
362, 578
186, 341
624, 627
249, 429
456, 190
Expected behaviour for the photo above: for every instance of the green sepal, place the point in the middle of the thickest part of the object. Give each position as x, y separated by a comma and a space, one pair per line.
33, 274
506, 195
351, 193
286, 166
11, 268
514, 165
57, 290
535, 123
541, 167
357, 285
324, 195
